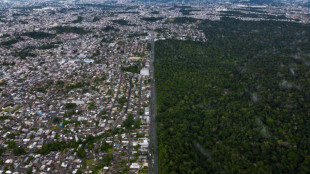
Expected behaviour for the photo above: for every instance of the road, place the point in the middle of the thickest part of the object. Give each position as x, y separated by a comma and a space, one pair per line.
116, 97
153, 122
129, 94
129, 147
140, 94
119, 119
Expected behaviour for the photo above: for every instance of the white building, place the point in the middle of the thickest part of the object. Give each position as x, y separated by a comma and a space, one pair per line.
145, 72
147, 111
135, 166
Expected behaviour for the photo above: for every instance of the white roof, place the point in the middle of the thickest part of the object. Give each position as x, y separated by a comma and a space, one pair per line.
135, 166
9, 161
145, 72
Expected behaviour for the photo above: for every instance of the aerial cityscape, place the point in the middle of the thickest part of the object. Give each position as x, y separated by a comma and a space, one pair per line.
78, 92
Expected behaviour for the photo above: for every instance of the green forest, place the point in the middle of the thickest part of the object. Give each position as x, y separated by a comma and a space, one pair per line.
237, 103
68, 29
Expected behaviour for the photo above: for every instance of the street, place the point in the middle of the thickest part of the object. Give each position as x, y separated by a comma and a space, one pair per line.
153, 124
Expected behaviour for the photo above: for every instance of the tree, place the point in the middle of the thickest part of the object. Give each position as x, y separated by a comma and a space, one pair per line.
11, 144
19, 151
11, 136
70, 105
106, 146
81, 152
2, 150
91, 106
128, 122
219, 102
29, 170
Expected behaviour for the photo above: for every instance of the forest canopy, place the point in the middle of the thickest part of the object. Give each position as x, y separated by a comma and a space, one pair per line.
238, 103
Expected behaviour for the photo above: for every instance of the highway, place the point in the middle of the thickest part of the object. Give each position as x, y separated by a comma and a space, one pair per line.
153, 122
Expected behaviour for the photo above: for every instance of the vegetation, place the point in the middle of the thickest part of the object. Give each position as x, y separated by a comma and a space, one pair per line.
237, 103
106, 40
41, 89
96, 18
97, 53
100, 80
125, 12
11, 136
3, 83
133, 69
49, 46
91, 106
19, 151
70, 113
81, 152
79, 171
70, 105
62, 145
155, 12
106, 147
11, 41
24, 53
11, 144
78, 20
68, 29
130, 123
186, 10
152, 19
107, 159
106, 162
122, 100
181, 20
4, 35
56, 120
38, 34
29, 170
76, 85
110, 28
2, 150
52, 146
251, 15
4, 63
122, 22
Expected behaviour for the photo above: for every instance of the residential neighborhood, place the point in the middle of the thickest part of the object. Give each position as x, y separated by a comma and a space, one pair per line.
75, 81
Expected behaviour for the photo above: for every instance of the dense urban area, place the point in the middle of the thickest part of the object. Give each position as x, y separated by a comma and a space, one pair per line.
78, 91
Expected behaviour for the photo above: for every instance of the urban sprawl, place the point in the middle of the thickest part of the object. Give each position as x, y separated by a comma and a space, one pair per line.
75, 79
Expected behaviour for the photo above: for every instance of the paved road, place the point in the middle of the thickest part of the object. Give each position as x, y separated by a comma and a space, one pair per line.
129, 94
140, 94
116, 97
129, 147
153, 124
119, 119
